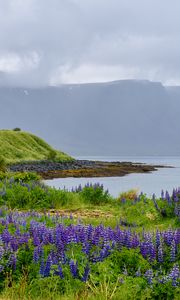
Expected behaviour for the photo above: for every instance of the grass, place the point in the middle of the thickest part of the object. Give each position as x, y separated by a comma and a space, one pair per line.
19, 146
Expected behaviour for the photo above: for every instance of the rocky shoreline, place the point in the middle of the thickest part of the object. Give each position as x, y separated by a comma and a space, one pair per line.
83, 168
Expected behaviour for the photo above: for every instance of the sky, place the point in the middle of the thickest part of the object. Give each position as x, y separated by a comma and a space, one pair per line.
51, 42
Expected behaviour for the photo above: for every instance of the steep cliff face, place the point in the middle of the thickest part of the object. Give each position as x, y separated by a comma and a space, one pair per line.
125, 117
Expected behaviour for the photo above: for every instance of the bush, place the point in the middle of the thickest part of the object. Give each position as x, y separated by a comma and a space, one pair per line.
17, 129
129, 195
20, 176
95, 194
129, 259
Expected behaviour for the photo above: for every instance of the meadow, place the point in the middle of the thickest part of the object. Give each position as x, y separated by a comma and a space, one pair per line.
85, 244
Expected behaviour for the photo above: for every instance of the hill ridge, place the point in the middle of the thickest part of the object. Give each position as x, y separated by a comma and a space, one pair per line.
18, 146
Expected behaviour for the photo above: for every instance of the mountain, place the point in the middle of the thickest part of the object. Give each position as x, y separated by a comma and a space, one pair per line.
17, 146
126, 117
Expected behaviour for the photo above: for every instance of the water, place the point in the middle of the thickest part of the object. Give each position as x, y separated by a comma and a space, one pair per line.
165, 178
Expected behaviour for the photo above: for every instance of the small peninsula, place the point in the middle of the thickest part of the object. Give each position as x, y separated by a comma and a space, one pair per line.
23, 151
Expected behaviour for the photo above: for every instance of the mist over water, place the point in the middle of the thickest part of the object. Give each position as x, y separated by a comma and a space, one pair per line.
163, 178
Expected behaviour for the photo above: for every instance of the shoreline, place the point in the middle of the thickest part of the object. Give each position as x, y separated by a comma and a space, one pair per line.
83, 168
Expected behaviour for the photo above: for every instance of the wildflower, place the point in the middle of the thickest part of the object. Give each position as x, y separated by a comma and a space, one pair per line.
160, 253
173, 252
86, 273
174, 275
149, 276
73, 268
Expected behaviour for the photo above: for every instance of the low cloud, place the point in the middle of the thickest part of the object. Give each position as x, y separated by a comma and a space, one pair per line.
49, 42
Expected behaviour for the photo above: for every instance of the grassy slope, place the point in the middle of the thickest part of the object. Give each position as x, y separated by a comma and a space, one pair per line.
18, 146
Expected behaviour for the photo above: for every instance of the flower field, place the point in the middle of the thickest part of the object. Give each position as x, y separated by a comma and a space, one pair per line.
58, 246
48, 255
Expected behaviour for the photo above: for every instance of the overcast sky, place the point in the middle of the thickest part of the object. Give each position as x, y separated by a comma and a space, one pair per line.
49, 42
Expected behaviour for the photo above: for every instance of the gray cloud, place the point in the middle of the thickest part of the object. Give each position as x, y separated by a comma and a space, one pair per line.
49, 42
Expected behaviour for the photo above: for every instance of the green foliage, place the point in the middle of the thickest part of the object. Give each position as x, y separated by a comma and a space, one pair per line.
166, 210
19, 146
95, 195
130, 260
3, 166
20, 176
21, 191
17, 129
52, 155
142, 212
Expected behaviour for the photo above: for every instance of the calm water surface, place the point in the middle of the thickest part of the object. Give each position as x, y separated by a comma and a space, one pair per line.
165, 178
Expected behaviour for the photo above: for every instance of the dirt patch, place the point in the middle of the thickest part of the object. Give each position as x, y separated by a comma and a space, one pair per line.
82, 213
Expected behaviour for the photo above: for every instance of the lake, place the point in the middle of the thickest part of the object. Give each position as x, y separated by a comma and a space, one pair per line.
164, 178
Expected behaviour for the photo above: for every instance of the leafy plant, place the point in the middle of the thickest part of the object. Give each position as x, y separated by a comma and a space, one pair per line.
17, 129
95, 194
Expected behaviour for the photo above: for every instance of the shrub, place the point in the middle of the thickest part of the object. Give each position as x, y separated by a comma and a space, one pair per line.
129, 195
17, 129
130, 260
95, 194
20, 176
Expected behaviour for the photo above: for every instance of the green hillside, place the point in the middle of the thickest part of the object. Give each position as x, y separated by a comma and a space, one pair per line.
18, 146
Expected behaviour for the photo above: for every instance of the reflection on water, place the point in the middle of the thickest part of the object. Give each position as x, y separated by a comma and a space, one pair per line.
165, 178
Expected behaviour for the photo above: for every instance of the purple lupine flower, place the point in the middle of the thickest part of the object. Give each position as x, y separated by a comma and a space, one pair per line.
6, 236
125, 272
105, 252
152, 252
162, 195
168, 198
60, 272
86, 248
1, 268
135, 241
74, 268
174, 194
123, 200
174, 275
1, 252
148, 250
128, 239
42, 267
36, 255
173, 252
158, 238
160, 253
86, 273
121, 280
176, 199
12, 261
177, 210
138, 272
149, 276
168, 236
48, 266
177, 236
155, 203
